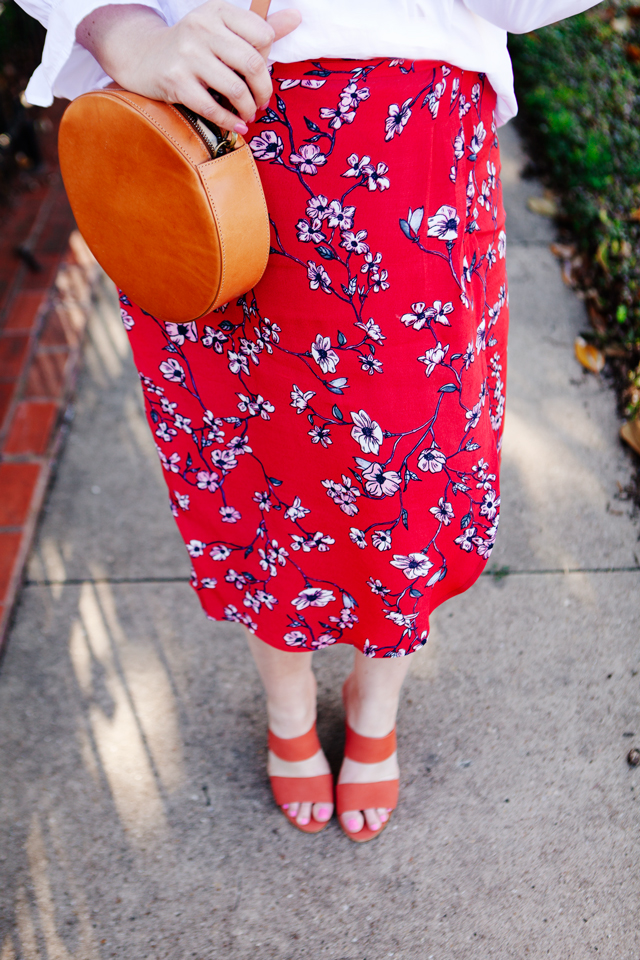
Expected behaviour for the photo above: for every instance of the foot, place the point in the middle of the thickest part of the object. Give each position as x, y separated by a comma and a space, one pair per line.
368, 722
302, 813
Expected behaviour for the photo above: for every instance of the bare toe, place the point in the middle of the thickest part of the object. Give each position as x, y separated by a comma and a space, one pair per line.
352, 821
291, 810
373, 819
384, 814
322, 812
304, 814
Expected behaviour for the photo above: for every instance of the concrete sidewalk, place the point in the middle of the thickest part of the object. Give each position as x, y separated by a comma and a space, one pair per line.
135, 813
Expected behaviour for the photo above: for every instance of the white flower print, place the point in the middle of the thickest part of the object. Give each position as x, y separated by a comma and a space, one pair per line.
379, 482
312, 597
443, 512
370, 364
310, 232
183, 500
479, 133
308, 159
238, 362
321, 434
318, 207
358, 167
418, 316
219, 551
214, 338
230, 514
208, 480
502, 244
250, 601
397, 119
165, 432
465, 540
433, 357
458, 145
354, 242
481, 336
172, 463
413, 566
381, 539
338, 115
324, 640
183, 423
224, 460
209, 583
431, 460
296, 511
377, 179
268, 146
372, 330
343, 494
490, 504
339, 216
179, 332
352, 95
266, 598
239, 445
377, 587
491, 174
369, 649
196, 548
127, 319
171, 370
401, 619
318, 277
366, 432
263, 500
295, 639
444, 224
357, 536
469, 356
473, 417
326, 358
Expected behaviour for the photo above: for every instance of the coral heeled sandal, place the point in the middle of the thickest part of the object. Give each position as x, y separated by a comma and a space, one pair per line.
365, 796
287, 790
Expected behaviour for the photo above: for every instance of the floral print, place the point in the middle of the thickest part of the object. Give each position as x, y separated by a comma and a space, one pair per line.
331, 440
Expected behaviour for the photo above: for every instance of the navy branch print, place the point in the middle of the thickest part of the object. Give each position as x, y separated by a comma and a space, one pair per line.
331, 441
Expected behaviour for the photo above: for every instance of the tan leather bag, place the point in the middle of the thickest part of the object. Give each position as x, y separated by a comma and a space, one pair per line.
179, 229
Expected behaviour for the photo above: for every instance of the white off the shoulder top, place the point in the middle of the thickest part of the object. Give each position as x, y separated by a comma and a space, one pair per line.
470, 34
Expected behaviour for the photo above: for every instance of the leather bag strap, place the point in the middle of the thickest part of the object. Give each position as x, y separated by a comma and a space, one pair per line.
261, 7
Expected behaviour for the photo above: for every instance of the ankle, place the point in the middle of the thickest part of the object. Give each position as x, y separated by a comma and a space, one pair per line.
292, 712
370, 713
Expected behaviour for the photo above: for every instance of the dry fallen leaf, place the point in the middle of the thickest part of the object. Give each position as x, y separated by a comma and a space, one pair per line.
630, 433
589, 356
563, 251
543, 206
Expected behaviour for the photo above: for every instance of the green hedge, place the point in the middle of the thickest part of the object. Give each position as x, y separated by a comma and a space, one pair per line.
578, 84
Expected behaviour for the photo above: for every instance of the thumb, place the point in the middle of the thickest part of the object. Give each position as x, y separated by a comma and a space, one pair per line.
283, 22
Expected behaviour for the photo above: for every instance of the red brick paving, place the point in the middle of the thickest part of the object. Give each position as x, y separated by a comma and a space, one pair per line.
43, 314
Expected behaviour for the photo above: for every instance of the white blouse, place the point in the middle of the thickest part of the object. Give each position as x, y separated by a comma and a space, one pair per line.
470, 34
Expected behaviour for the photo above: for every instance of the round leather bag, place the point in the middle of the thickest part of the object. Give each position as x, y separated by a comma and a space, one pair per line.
179, 232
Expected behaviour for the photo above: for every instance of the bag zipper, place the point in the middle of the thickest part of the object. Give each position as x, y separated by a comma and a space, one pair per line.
216, 142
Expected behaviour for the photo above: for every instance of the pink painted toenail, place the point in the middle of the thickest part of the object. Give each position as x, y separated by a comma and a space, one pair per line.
353, 825
323, 813
303, 821
285, 806
375, 826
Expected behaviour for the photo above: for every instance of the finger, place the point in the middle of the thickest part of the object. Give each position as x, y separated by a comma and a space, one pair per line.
251, 27
373, 820
322, 812
246, 61
194, 96
221, 78
304, 814
284, 22
352, 821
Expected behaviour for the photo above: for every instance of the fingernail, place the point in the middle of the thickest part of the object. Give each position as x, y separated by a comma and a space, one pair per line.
352, 825
303, 821
264, 105
241, 128
251, 119
323, 813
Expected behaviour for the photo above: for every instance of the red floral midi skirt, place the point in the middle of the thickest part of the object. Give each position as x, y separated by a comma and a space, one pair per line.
331, 440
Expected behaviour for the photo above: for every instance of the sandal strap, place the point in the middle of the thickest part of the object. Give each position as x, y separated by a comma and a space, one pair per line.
368, 749
365, 796
302, 789
295, 749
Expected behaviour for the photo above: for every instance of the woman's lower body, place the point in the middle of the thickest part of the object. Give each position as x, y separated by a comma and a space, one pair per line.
331, 440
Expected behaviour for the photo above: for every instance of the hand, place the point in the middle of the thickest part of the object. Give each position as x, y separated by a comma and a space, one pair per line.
217, 46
